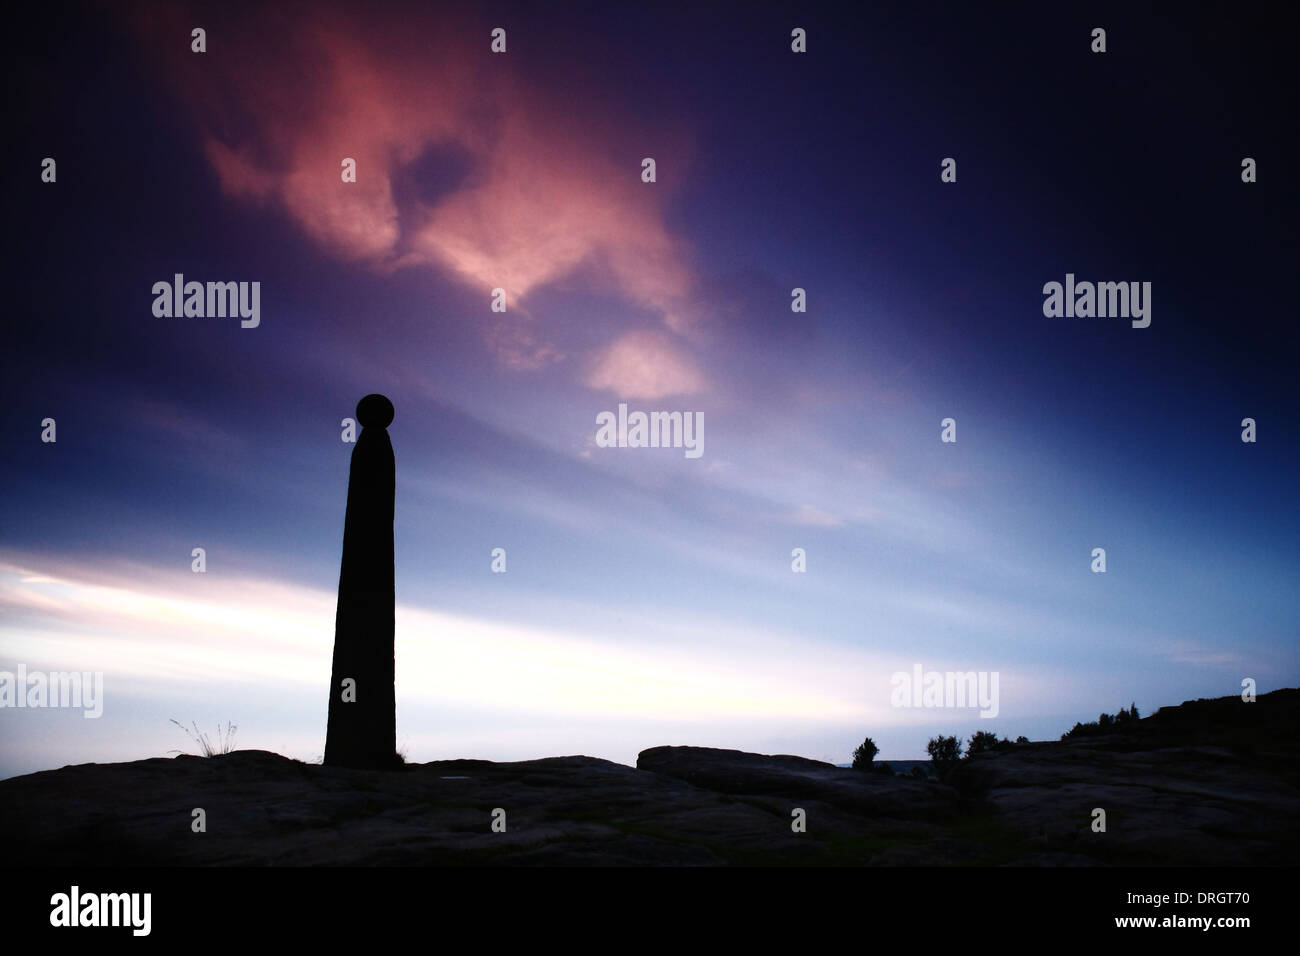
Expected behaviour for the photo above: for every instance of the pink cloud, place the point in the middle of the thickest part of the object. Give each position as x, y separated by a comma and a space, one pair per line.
646, 364
813, 517
553, 182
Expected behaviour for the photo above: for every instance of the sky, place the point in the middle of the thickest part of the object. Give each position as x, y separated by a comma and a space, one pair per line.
649, 598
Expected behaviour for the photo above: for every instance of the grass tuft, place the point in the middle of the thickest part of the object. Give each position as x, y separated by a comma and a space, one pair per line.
225, 739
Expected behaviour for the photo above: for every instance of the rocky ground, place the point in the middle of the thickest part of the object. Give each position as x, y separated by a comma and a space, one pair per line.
1209, 782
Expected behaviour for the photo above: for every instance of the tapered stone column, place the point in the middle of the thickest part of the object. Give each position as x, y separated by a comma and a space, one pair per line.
362, 730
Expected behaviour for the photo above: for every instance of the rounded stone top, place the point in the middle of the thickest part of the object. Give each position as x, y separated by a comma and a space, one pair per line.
375, 411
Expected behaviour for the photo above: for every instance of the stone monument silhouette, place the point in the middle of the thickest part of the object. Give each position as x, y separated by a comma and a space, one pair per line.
362, 728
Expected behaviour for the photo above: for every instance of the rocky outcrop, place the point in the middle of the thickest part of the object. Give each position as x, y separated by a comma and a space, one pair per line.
1210, 782
781, 779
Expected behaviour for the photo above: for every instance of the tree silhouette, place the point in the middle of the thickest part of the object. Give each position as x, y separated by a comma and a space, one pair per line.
944, 753
865, 754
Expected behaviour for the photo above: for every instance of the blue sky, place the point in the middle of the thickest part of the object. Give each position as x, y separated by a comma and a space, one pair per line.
649, 598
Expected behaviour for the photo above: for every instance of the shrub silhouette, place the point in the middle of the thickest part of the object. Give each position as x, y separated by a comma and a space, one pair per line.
944, 753
1022, 739
982, 741
1103, 724
865, 754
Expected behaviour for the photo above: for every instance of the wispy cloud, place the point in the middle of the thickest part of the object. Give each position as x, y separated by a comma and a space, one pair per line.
1192, 652
146, 625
